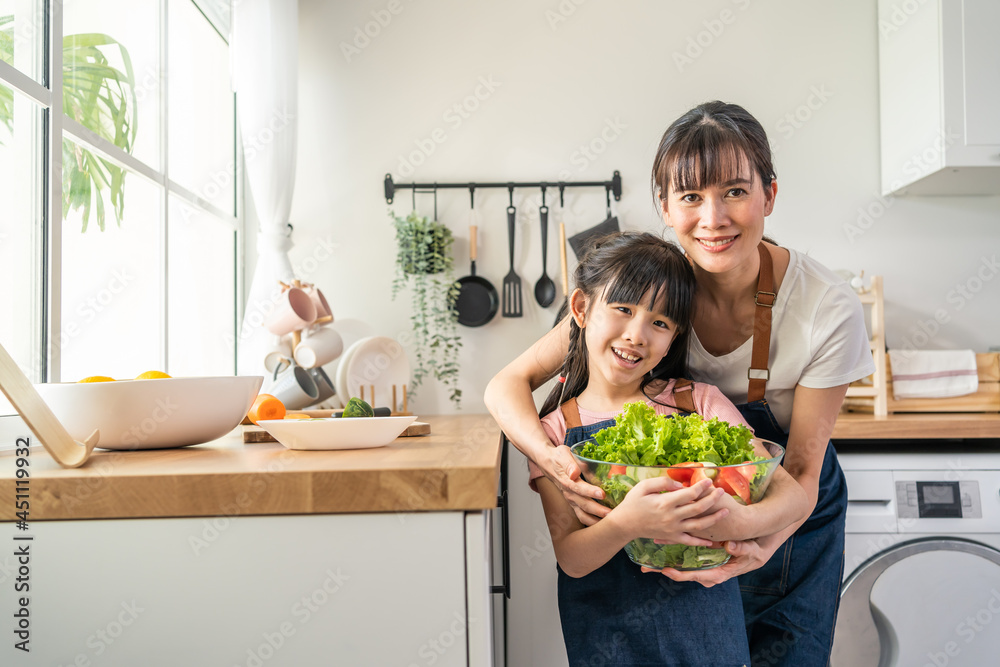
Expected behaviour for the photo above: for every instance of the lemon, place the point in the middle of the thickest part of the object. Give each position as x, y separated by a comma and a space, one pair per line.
151, 375
98, 378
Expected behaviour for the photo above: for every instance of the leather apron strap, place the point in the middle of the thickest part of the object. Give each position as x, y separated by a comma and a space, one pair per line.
758, 374
571, 413
684, 395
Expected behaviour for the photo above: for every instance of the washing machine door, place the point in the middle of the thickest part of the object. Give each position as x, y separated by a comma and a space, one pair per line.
928, 602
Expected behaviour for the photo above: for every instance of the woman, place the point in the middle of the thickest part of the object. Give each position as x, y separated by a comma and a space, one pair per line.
779, 334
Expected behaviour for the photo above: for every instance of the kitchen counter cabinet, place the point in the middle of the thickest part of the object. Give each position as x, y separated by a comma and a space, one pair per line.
453, 468
298, 580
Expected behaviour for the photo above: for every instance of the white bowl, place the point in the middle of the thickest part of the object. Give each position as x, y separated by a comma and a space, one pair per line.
152, 414
336, 432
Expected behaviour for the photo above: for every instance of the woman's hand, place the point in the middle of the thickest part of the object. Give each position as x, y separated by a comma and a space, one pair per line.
670, 517
746, 557
583, 497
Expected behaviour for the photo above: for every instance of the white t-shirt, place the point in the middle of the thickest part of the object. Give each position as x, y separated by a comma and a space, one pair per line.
818, 340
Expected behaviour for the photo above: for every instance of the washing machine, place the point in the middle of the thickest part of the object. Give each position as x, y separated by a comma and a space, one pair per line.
921, 581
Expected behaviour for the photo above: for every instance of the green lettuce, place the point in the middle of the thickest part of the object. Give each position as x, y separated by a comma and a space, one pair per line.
641, 437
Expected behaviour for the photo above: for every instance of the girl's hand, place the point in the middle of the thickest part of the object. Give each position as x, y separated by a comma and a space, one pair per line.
648, 512
746, 556
563, 470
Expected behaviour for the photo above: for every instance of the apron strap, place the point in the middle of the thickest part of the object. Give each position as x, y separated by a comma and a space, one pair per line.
571, 413
758, 374
684, 395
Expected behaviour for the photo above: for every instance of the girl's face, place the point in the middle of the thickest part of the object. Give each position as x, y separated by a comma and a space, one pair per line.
720, 225
624, 341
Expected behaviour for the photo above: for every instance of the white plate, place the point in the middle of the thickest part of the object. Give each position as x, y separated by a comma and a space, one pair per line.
351, 331
340, 380
152, 414
336, 432
380, 362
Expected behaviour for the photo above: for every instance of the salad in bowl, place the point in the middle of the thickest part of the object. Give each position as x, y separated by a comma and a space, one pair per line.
643, 444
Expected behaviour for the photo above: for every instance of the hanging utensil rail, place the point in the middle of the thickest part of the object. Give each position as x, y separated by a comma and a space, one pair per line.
612, 187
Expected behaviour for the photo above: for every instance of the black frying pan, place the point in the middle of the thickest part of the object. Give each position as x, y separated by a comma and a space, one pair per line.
477, 301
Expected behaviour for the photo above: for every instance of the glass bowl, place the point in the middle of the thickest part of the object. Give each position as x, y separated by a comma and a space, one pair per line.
747, 483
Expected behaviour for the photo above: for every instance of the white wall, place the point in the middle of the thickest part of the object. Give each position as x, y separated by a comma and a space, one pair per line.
561, 83
563, 79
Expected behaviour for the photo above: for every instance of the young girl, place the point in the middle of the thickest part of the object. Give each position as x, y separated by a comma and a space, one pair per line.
628, 342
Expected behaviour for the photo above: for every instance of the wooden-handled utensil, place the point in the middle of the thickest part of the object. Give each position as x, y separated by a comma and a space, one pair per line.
564, 309
68, 452
477, 301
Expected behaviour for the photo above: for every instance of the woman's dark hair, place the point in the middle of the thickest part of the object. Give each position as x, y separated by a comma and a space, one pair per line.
710, 144
628, 267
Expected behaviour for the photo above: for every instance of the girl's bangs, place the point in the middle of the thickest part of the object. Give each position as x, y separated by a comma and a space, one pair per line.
645, 278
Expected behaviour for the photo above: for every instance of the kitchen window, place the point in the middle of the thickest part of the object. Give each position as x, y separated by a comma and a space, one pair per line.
121, 233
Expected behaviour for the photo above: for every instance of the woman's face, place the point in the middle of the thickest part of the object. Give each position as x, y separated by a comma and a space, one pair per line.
720, 225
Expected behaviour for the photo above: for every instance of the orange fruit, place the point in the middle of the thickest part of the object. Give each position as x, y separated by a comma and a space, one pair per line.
97, 378
151, 375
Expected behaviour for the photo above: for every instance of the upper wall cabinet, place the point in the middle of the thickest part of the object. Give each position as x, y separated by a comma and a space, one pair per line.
939, 96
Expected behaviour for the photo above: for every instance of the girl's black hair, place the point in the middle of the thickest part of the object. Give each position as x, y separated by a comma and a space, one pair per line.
628, 267
710, 144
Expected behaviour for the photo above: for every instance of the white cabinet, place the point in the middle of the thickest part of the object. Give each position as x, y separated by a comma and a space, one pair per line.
939, 96
406, 589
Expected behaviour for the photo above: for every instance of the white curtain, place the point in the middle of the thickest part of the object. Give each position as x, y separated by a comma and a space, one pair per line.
265, 75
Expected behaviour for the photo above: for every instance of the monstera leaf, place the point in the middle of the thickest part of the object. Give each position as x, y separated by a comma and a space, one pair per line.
99, 95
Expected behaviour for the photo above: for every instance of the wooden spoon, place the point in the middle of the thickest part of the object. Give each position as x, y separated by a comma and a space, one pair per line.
36, 414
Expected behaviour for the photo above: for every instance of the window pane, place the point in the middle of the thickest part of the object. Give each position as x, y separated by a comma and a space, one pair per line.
20, 232
201, 294
22, 36
201, 126
111, 51
111, 284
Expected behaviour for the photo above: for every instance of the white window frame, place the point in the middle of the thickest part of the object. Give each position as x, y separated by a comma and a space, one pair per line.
55, 127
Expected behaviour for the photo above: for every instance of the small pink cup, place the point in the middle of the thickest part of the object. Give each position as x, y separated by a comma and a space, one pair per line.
322, 307
294, 310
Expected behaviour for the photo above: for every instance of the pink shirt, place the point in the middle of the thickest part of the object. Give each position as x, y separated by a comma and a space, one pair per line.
708, 402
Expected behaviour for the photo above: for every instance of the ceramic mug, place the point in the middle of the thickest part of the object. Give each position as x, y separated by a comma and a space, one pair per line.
323, 383
322, 307
279, 356
319, 346
294, 387
293, 310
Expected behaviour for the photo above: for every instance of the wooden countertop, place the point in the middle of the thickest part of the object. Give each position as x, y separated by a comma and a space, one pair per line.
456, 467
916, 426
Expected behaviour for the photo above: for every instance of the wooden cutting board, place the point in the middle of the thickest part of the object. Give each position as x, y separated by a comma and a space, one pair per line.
253, 433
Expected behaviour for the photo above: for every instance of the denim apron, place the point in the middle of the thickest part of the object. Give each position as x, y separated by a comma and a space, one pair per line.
618, 615
790, 604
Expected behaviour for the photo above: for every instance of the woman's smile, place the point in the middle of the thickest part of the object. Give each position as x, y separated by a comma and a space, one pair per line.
718, 244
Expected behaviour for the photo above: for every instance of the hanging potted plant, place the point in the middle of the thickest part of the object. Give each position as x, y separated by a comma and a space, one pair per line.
424, 262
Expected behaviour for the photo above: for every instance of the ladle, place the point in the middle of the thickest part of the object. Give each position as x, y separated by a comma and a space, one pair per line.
545, 289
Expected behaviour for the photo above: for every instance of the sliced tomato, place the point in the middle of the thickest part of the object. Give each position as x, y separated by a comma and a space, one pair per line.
616, 470
732, 481
748, 471
681, 472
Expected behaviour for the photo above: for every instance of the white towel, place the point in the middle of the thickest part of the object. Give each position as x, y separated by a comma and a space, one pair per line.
933, 373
